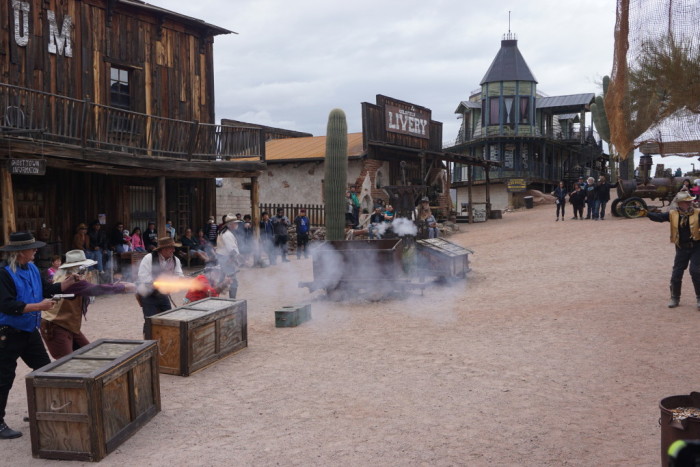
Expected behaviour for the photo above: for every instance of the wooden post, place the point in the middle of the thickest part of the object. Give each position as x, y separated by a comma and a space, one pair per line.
255, 213
160, 207
9, 223
487, 166
470, 172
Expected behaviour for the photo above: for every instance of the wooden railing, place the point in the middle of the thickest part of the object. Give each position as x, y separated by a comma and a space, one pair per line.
63, 120
315, 212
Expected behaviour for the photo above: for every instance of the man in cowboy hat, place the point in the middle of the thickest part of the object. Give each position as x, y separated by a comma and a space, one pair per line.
161, 261
227, 252
685, 233
22, 293
60, 326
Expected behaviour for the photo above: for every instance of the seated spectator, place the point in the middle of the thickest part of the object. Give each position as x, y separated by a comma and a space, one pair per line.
99, 245
137, 240
150, 237
170, 230
51, 271
116, 239
376, 221
195, 250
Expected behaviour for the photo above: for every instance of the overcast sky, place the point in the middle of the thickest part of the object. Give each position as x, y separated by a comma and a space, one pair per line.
293, 61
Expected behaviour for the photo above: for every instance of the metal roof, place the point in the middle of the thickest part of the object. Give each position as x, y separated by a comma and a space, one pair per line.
574, 117
310, 148
509, 65
467, 105
214, 30
565, 104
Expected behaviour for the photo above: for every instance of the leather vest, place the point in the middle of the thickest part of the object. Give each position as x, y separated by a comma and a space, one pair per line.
674, 217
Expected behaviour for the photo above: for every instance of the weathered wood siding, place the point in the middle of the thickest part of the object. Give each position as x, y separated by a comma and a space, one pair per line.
171, 63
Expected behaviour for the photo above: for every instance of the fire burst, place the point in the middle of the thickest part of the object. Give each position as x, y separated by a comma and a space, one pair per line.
170, 284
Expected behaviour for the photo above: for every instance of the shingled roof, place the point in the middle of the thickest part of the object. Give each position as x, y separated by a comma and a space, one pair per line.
509, 65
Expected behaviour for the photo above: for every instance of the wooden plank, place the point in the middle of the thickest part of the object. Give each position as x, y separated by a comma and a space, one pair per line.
9, 223
168, 338
63, 417
115, 402
202, 343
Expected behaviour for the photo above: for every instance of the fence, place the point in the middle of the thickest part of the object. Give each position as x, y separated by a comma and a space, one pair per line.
315, 212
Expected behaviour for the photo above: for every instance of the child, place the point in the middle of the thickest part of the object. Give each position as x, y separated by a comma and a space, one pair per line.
127, 239
137, 241
51, 271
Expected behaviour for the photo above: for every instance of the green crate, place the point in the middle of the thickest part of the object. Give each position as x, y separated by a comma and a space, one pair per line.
292, 315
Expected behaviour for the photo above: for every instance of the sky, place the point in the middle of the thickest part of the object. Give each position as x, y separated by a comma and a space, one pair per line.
293, 61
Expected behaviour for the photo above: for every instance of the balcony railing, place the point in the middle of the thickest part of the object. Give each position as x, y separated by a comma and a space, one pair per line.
63, 120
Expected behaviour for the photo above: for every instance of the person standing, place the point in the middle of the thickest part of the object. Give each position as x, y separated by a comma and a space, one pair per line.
227, 253
602, 189
685, 234
355, 206
22, 293
161, 261
60, 326
211, 230
267, 237
590, 191
280, 223
578, 200
560, 199
302, 224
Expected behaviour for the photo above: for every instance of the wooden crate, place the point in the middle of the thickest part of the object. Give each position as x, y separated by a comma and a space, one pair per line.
197, 334
442, 258
84, 405
292, 315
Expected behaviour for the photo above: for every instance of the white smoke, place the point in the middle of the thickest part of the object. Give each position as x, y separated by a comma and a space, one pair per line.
402, 226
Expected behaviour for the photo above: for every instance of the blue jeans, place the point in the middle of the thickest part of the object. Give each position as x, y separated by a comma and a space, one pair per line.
599, 209
95, 255
589, 209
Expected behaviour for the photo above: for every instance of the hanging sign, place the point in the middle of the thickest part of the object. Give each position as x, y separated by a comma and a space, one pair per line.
27, 166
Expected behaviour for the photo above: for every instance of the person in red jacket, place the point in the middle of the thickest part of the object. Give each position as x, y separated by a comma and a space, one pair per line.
209, 284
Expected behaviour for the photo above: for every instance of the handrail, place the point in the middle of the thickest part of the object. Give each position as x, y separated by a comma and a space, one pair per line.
65, 120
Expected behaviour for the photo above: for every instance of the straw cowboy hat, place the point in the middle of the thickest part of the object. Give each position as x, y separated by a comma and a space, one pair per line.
165, 242
229, 218
75, 258
21, 241
684, 196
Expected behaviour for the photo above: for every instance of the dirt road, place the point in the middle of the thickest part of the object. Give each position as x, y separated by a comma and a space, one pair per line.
555, 351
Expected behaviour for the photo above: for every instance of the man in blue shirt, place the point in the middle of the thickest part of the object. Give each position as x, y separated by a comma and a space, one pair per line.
302, 223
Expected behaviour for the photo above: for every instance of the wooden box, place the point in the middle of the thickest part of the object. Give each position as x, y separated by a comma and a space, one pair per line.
198, 334
293, 315
84, 405
442, 258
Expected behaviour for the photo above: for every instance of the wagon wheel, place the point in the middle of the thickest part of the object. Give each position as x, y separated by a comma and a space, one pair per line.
634, 207
614, 206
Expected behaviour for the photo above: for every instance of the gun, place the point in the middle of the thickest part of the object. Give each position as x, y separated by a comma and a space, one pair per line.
59, 296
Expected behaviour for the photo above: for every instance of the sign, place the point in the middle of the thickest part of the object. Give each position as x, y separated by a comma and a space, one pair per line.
60, 41
411, 121
27, 166
517, 185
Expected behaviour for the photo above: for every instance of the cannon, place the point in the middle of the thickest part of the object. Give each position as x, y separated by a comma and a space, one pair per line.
631, 193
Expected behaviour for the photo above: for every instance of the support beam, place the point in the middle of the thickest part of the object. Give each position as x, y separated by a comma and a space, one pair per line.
160, 207
488, 192
255, 213
9, 223
470, 171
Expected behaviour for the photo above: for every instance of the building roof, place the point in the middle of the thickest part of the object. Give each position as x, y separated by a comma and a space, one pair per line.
467, 105
565, 104
509, 65
212, 29
308, 149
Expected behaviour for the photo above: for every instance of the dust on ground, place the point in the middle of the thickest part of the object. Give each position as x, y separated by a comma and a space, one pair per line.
555, 351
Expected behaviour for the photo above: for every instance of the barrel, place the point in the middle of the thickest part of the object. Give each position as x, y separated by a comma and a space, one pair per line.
528, 201
679, 429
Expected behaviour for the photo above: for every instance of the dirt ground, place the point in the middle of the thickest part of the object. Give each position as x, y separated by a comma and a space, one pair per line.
556, 350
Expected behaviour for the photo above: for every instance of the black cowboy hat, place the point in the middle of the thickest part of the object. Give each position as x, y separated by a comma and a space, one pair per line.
22, 241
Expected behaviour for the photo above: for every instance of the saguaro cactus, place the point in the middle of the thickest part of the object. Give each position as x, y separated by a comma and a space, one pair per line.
336, 174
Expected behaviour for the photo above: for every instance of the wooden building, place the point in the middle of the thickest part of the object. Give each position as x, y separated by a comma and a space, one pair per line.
107, 108
537, 139
400, 146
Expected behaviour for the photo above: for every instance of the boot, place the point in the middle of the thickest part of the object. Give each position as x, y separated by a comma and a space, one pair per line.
675, 294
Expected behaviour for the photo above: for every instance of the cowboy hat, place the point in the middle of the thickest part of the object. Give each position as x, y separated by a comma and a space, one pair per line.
425, 199
228, 218
75, 258
21, 241
165, 242
684, 196
81, 226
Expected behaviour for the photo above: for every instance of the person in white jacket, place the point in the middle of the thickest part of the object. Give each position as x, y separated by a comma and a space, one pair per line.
227, 252
162, 261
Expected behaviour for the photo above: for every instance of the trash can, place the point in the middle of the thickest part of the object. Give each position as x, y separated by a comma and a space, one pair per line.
673, 430
528, 201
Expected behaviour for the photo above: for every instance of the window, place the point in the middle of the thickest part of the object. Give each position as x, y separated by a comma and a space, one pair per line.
119, 94
508, 111
524, 110
493, 111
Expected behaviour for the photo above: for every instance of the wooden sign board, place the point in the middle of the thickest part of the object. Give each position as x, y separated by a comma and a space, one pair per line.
27, 166
517, 185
